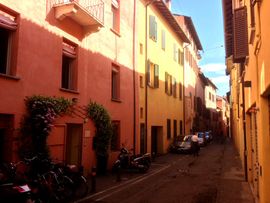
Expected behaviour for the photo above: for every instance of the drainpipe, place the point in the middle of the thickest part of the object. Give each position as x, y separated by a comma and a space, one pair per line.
244, 121
146, 69
134, 79
184, 91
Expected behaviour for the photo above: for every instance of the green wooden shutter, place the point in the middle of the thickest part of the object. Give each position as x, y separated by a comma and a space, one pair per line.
166, 82
148, 72
174, 52
152, 27
156, 78
163, 39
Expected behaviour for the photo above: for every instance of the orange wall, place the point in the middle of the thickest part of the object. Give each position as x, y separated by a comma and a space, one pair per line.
39, 65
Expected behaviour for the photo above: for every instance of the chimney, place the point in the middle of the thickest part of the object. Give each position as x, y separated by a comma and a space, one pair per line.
168, 4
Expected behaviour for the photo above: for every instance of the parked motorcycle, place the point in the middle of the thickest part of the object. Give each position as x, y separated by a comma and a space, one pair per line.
138, 162
13, 189
15, 193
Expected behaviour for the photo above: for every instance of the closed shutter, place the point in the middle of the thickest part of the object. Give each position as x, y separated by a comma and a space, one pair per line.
240, 35
156, 78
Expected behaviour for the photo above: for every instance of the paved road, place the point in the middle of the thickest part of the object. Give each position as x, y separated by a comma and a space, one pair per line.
177, 178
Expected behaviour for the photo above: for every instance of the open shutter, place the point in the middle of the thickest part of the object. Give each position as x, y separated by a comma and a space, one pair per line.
148, 73
163, 39
166, 82
240, 35
156, 76
170, 85
152, 27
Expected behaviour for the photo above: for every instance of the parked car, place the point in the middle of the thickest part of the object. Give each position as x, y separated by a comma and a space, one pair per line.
202, 139
181, 145
208, 136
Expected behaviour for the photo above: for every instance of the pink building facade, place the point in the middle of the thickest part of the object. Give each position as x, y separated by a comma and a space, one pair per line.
79, 50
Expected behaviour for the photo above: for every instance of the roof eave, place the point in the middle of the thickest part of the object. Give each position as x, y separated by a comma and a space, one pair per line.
166, 13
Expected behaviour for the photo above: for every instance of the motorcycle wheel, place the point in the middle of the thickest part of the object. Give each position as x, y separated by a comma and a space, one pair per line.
145, 167
81, 187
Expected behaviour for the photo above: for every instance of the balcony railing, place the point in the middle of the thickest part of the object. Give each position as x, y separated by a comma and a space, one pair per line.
84, 12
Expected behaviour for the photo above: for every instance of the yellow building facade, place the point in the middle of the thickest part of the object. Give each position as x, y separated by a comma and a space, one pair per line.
247, 52
160, 76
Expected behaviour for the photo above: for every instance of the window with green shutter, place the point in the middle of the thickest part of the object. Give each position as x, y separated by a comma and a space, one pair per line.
174, 52
152, 28
156, 78
163, 38
153, 75
174, 87
180, 90
168, 129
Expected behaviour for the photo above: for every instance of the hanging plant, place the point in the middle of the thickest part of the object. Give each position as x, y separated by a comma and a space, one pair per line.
103, 124
38, 121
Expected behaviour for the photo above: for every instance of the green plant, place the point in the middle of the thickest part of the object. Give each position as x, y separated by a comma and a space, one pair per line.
103, 124
36, 125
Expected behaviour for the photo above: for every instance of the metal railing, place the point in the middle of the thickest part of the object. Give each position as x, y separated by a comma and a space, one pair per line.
94, 7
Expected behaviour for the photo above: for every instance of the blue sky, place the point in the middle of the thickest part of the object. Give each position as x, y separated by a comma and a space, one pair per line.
208, 21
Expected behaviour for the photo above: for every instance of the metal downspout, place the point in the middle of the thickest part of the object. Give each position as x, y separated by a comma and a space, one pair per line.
244, 122
134, 79
146, 69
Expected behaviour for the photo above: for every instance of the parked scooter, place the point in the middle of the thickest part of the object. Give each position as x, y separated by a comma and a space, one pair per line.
138, 162
12, 188
15, 193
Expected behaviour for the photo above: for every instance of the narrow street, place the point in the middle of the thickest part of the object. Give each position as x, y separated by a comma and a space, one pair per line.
215, 176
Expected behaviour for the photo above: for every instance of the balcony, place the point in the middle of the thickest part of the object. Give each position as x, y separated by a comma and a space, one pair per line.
86, 13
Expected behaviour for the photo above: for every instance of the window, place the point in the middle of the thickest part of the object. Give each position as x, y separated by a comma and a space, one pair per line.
115, 15
69, 68
115, 82
153, 75
209, 96
168, 128
180, 91
174, 128
115, 140
163, 37
174, 87
8, 27
168, 83
152, 28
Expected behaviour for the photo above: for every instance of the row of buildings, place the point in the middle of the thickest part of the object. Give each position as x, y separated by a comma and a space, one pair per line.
247, 60
133, 57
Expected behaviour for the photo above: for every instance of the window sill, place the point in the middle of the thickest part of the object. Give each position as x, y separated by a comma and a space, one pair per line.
68, 90
116, 32
116, 100
12, 77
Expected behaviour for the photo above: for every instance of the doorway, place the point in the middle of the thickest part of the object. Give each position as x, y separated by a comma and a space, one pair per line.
156, 140
143, 140
6, 137
74, 144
